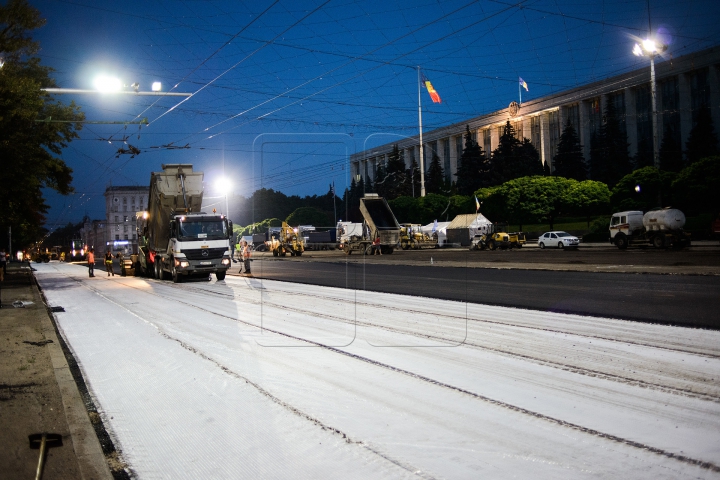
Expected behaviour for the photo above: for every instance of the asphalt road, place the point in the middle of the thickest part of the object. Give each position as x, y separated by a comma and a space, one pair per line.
689, 300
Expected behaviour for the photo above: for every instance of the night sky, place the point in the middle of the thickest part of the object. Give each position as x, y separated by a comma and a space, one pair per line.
284, 92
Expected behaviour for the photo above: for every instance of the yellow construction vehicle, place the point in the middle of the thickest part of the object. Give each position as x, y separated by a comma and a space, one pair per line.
412, 237
285, 241
497, 239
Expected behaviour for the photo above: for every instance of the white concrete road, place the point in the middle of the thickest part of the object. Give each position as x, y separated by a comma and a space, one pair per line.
260, 379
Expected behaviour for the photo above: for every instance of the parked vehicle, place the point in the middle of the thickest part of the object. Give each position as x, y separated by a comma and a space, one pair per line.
175, 238
558, 239
494, 238
659, 228
412, 236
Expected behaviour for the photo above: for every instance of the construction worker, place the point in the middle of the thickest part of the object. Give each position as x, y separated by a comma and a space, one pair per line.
246, 256
91, 262
108, 263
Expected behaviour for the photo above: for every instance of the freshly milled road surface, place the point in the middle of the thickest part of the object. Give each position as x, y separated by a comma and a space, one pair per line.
675, 299
253, 378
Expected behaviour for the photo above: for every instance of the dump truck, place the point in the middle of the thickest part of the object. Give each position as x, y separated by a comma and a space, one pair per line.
176, 239
412, 237
284, 241
379, 222
660, 228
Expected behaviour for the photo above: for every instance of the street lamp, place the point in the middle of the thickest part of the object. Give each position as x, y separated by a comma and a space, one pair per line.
648, 48
224, 185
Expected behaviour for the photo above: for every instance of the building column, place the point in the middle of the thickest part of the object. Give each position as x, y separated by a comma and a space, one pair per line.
685, 108
713, 80
526, 128
545, 140
584, 129
631, 120
453, 158
494, 137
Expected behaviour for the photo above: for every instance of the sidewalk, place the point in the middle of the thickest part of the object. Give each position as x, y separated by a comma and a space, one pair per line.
37, 391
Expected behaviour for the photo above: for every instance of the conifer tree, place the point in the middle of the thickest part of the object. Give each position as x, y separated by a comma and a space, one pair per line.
702, 141
472, 166
609, 157
671, 157
413, 175
569, 161
514, 158
435, 178
396, 183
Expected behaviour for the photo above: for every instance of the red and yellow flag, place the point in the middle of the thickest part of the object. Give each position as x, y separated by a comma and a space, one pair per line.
433, 94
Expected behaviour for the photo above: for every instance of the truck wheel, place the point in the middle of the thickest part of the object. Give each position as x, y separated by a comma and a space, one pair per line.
176, 278
491, 245
160, 271
389, 250
220, 276
298, 254
658, 241
404, 245
347, 250
621, 241
275, 253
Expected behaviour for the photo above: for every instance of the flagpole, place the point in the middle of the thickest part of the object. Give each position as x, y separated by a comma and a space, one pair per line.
422, 163
520, 93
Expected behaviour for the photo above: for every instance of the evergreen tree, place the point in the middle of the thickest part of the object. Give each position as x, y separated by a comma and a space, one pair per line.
702, 141
514, 158
435, 178
396, 181
569, 161
472, 166
609, 157
413, 175
671, 158
380, 180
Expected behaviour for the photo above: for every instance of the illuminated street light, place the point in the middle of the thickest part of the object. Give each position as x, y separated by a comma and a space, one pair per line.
156, 86
105, 83
649, 49
224, 185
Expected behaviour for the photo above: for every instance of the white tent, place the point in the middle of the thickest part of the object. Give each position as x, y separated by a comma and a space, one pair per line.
439, 228
464, 227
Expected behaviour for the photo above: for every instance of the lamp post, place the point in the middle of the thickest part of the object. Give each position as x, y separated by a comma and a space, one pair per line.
224, 185
649, 49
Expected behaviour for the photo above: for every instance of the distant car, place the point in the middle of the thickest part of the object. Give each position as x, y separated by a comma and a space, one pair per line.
558, 239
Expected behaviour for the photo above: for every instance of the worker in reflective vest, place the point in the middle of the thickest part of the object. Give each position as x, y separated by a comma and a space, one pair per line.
246, 256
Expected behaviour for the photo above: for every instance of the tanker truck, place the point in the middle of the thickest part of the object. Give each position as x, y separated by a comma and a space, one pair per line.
176, 239
659, 228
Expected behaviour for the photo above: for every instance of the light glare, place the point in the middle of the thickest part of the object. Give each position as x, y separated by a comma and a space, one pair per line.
649, 45
223, 185
107, 84
156, 86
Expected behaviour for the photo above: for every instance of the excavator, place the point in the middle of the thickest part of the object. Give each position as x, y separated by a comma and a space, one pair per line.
286, 241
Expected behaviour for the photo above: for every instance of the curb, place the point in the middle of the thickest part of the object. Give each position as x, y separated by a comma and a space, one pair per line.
91, 460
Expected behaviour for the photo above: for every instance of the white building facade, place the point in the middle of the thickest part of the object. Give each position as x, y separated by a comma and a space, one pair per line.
121, 205
684, 85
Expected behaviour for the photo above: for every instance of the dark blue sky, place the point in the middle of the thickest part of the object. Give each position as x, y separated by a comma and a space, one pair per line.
284, 92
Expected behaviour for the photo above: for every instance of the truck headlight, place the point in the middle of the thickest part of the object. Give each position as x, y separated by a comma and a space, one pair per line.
226, 261
184, 264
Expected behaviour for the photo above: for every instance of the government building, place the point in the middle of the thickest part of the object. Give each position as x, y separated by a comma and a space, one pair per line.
684, 85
